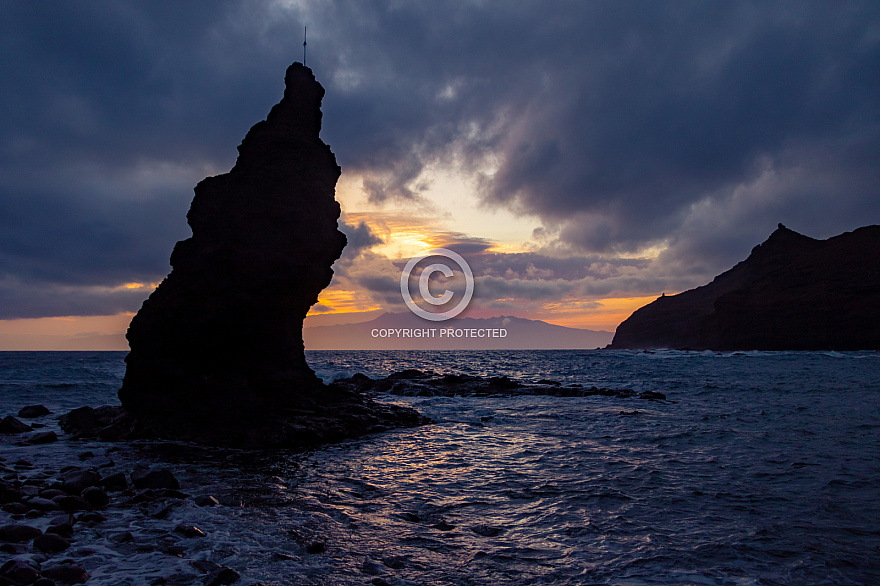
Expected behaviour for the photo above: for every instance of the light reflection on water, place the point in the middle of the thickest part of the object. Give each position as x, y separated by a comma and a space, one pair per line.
761, 469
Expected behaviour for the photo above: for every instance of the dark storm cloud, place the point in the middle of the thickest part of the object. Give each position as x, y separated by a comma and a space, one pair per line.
621, 125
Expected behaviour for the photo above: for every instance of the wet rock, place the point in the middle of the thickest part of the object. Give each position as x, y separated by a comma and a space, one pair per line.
143, 496
101, 462
76, 481
91, 422
61, 519
315, 547
51, 543
44, 582
12, 548
161, 512
16, 508
44, 437
33, 411
189, 531
20, 572
125, 537
169, 493
160, 478
222, 577
70, 504
9, 494
66, 572
96, 497
43, 504
11, 425
51, 493
206, 501
16, 533
92, 518
114, 482
62, 529
206, 566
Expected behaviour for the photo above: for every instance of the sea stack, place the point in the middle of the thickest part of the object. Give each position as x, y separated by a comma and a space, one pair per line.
217, 350
793, 292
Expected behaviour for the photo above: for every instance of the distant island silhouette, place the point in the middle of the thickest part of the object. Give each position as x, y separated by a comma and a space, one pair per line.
388, 332
793, 292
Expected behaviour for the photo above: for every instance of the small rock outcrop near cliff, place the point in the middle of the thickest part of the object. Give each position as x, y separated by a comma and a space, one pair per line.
216, 351
792, 293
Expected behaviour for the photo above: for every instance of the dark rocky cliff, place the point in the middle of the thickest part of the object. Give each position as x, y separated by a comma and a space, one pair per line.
217, 350
792, 293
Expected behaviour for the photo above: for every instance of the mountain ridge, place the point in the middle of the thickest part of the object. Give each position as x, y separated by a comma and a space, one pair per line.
793, 292
522, 334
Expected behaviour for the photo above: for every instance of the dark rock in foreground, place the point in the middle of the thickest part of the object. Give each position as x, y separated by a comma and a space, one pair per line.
415, 383
216, 351
792, 293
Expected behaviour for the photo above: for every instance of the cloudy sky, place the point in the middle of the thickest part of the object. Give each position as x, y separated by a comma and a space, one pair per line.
583, 156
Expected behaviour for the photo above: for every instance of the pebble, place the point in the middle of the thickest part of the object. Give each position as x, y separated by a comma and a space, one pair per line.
16, 533
43, 504
64, 529
51, 543
69, 503
96, 497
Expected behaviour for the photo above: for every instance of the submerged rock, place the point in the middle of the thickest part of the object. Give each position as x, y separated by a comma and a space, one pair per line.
216, 351
414, 383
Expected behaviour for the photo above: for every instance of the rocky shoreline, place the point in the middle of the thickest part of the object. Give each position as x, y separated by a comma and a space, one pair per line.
54, 516
45, 512
417, 383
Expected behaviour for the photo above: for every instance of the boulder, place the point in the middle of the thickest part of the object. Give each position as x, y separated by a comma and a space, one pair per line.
33, 411
16, 533
10, 425
160, 478
51, 543
74, 482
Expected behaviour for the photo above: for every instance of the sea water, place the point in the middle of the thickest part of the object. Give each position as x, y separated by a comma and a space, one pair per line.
759, 468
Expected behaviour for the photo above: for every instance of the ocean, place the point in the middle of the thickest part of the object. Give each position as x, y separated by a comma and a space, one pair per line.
759, 468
